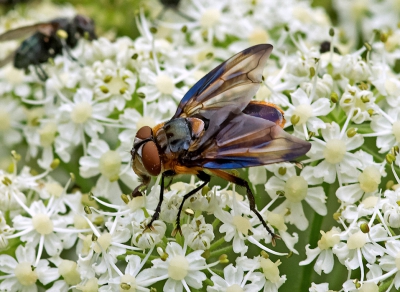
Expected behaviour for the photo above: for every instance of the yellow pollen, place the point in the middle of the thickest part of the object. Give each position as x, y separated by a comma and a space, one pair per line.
370, 202
304, 112
25, 275
270, 269
110, 164
242, 224
369, 179
104, 241
334, 151
277, 220
42, 224
296, 189
145, 121
81, 112
165, 84
234, 288
117, 85
178, 268
68, 270
48, 134
54, 189
328, 239
357, 240
210, 18
258, 36
128, 280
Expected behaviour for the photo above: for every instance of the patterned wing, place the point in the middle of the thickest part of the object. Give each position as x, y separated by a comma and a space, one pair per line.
7, 59
45, 28
228, 87
245, 141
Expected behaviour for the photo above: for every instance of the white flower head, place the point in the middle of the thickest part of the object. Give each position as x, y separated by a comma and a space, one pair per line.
179, 269
24, 271
198, 234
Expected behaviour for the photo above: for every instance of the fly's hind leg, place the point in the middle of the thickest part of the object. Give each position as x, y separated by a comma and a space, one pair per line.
206, 179
243, 183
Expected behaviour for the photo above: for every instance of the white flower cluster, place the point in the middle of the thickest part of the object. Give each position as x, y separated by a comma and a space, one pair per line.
70, 224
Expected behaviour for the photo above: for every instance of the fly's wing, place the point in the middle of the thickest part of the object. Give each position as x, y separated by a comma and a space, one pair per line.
265, 110
245, 141
45, 28
7, 59
228, 87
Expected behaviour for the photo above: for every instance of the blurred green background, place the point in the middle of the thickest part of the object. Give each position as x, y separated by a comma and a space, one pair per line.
120, 16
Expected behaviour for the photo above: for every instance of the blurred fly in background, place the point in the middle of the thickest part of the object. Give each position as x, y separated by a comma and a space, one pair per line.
47, 40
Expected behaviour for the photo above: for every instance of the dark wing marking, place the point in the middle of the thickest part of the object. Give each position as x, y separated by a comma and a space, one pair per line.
45, 28
231, 85
245, 141
7, 59
265, 110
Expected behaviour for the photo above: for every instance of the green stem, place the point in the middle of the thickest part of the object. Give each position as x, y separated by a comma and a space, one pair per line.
385, 284
217, 243
219, 252
215, 223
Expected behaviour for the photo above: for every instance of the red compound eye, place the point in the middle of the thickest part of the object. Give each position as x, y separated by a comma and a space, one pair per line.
144, 133
150, 158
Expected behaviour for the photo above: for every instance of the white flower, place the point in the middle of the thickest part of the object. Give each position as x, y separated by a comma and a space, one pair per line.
295, 191
112, 83
22, 273
272, 274
198, 234
366, 181
144, 237
5, 230
42, 227
304, 113
359, 246
386, 128
323, 251
389, 262
391, 208
112, 165
134, 278
81, 116
234, 278
335, 154
354, 68
361, 101
179, 269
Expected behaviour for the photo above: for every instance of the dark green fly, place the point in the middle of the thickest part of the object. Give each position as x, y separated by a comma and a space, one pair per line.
45, 41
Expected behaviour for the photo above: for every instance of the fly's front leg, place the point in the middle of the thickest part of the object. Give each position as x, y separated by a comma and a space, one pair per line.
161, 198
243, 183
42, 74
206, 179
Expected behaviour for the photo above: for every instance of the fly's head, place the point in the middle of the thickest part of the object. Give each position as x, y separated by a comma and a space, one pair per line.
146, 161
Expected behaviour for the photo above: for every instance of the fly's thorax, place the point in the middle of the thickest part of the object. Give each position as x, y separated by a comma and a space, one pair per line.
181, 133
146, 159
